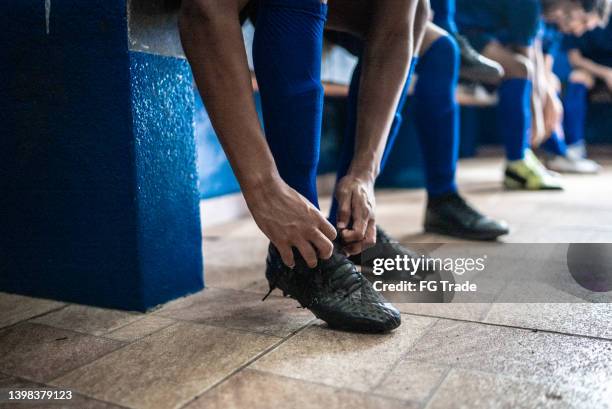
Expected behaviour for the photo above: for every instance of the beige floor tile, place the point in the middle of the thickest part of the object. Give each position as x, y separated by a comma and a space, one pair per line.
15, 308
539, 356
476, 390
76, 402
341, 359
459, 311
41, 353
259, 390
581, 319
168, 368
224, 269
141, 328
412, 381
549, 291
240, 310
90, 320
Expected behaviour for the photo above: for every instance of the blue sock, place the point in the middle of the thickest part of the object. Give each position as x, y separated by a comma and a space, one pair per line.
575, 105
287, 53
348, 145
437, 115
555, 145
514, 116
444, 14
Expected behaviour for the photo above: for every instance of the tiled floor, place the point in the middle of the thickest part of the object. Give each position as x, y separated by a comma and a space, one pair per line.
224, 348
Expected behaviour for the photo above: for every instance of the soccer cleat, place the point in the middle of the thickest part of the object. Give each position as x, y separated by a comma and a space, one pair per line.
389, 248
451, 215
475, 66
530, 174
334, 291
575, 165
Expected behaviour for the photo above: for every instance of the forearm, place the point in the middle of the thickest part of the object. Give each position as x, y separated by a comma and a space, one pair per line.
577, 60
389, 48
215, 49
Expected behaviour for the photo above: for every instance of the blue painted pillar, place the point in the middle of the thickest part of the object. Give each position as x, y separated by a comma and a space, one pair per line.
98, 183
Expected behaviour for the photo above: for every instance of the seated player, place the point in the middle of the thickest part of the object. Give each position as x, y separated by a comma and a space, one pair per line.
505, 31
278, 177
474, 66
559, 156
437, 121
590, 57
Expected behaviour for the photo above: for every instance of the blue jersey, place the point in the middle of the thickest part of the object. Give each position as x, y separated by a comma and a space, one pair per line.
552, 39
511, 22
595, 45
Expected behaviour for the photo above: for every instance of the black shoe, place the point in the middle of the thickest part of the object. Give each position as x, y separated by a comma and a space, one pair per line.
389, 248
452, 216
476, 67
334, 291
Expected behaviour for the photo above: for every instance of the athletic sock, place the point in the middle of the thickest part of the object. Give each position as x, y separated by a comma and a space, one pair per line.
444, 14
555, 145
575, 106
348, 145
514, 116
287, 53
437, 115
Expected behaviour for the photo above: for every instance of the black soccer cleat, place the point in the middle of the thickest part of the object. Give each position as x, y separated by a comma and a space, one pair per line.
451, 215
388, 248
334, 292
476, 67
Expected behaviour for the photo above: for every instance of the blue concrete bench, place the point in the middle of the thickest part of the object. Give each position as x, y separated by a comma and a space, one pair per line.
97, 155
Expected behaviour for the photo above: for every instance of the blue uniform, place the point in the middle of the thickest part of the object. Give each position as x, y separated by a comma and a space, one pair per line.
595, 45
511, 22
552, 39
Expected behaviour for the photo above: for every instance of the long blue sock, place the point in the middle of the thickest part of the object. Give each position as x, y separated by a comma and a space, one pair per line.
287, 53
348, 145
575, 105
514, 116
555, 145
444, 14
437, 115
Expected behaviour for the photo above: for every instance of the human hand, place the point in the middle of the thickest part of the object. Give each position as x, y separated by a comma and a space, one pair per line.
356, 218
290, 221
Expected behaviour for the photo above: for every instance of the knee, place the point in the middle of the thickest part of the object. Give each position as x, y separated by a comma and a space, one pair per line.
449, 48
519, 67
582, 77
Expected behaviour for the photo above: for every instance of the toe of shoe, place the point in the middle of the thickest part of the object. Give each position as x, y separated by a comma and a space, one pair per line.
375, 318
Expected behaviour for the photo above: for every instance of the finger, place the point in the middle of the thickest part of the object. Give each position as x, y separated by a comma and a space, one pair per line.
361, 216
370, 235
286, 254
353, 248
308, 253
322, 244
343, 216
327, 229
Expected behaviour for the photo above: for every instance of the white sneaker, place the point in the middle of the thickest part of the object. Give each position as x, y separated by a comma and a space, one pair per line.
577, 151
571, 164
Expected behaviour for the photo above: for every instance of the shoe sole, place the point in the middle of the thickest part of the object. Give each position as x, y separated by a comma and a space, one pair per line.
514, 185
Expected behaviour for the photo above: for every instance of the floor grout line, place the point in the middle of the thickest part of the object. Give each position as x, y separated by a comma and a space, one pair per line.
47, 385
35, 316
492, 324
338, 388
250, 362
